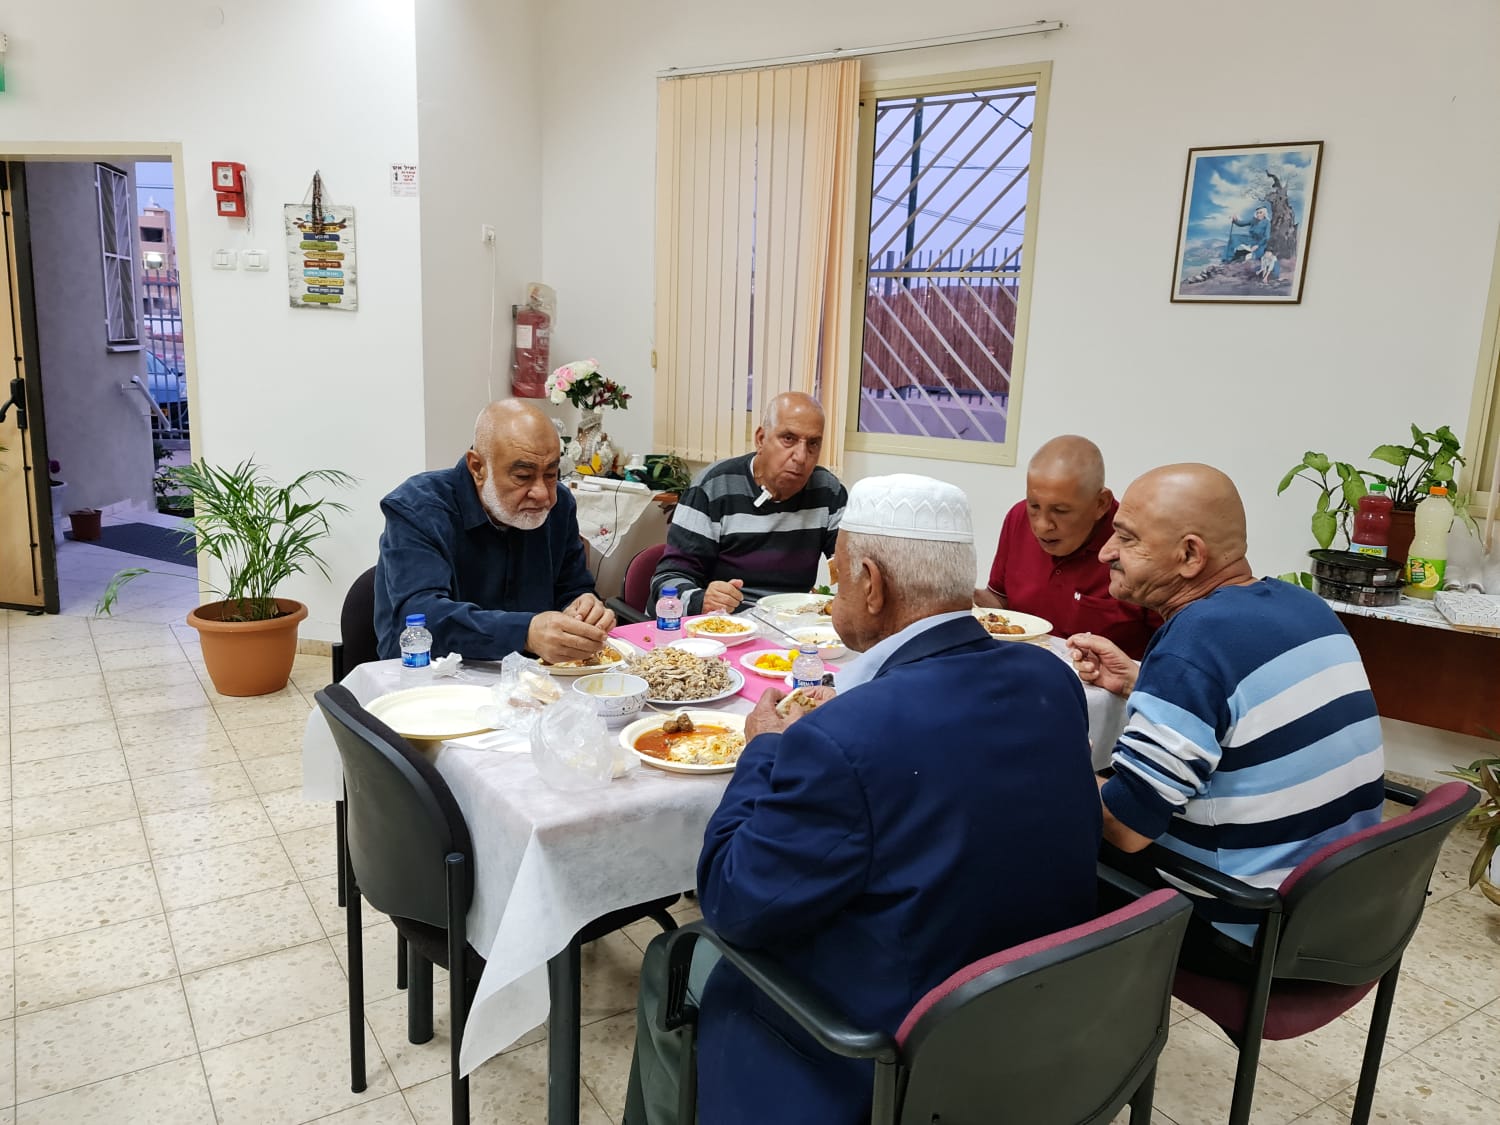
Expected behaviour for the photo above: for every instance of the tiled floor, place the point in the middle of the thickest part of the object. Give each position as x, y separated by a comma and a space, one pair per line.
171, 951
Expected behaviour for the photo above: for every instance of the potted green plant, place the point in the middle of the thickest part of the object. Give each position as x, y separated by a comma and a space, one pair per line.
1336, 498
259, 533
1484, 819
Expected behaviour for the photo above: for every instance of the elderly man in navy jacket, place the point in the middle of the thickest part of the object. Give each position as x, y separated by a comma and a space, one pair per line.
941, 807
489, 550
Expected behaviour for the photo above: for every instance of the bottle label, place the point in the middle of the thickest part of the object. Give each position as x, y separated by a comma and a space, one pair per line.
669, 624
1426, 574
796, 683
416, 659
1379, 552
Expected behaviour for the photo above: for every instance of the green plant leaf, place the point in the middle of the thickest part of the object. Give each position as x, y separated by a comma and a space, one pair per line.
1323, 501
1318, 462
1483, 856
1392, 454
1290, 476
1324, 525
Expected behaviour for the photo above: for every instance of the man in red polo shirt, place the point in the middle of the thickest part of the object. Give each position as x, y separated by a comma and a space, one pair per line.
1047, 562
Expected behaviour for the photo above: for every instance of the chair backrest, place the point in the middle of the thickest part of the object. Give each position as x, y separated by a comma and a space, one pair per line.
403, 822
1351, 907
357, 640
1059, 1030
637, 591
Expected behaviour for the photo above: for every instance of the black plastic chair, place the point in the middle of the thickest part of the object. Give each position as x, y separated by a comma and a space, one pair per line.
630, 607
357, 644
1338, 925
1000, 1039
409, 852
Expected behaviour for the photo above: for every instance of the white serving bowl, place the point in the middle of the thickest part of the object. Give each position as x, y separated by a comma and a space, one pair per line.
699, 646
616, 695
830, 647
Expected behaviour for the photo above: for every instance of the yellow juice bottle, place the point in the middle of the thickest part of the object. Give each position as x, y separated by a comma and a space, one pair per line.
1428, 558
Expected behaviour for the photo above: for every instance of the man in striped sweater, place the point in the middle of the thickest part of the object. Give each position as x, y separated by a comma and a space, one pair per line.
1251, 737
756, 524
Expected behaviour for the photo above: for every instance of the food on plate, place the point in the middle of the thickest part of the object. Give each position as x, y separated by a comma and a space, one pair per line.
606, 655
679, 739
680, 676
720, 626
818, 608
999, 625
533, 691
771, 661
799, 698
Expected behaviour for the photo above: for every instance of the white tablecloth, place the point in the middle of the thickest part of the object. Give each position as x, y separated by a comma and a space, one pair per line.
548, 862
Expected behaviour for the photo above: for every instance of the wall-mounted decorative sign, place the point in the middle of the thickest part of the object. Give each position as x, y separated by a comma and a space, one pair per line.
322, 272
1247, 214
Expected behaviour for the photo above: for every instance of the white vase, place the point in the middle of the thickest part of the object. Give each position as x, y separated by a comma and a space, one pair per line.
590, 432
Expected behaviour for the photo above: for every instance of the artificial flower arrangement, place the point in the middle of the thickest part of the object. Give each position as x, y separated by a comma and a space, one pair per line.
581, 384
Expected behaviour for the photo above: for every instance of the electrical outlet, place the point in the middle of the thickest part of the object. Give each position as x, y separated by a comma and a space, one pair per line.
487, 234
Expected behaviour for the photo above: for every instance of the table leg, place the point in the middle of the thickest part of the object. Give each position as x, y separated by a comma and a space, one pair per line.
564, 981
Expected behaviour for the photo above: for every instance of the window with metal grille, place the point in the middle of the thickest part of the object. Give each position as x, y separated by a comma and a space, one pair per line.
116, 224
949, 171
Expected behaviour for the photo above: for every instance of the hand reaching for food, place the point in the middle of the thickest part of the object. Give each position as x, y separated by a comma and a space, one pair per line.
1098, 660
723, 597
556, 637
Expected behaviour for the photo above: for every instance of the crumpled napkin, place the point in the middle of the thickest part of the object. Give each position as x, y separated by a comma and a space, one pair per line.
447, 665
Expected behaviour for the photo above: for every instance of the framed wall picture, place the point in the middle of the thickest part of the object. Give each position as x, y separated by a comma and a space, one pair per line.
1247, 213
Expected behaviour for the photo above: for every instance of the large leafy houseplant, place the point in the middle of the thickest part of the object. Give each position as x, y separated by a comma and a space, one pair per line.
1483, 819
260, 533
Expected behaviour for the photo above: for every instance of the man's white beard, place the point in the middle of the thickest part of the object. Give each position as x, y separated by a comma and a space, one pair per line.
489, 499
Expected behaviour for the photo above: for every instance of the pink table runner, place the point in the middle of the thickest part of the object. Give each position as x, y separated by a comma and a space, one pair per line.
646, 637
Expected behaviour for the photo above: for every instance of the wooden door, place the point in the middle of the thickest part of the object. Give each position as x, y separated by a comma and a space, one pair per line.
28, 571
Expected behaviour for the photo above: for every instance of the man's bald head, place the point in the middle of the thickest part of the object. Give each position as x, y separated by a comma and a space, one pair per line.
1179, 535
1071, 458
1065, 494
514, 462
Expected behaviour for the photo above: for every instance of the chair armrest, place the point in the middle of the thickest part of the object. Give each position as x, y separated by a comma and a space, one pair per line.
820, 1019
1402, 794
1225, 888
625, 614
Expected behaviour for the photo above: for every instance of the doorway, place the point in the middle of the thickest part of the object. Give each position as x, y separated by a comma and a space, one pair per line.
107, 384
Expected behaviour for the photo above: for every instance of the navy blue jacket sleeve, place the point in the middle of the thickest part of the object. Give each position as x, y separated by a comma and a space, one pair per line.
418, 569
790, 844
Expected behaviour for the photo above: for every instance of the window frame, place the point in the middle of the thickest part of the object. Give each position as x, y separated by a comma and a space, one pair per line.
109, 181
1484, 407
1037, 74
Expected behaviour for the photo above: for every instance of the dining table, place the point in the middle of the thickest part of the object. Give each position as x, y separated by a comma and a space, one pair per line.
548, 862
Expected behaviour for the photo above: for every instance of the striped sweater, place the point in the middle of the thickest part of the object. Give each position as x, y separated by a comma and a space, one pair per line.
717, 534
1251, 738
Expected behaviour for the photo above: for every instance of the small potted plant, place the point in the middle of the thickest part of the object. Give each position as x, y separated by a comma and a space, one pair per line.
259, 533
1484, 819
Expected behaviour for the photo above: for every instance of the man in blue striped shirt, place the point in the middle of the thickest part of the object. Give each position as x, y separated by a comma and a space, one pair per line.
1251, 737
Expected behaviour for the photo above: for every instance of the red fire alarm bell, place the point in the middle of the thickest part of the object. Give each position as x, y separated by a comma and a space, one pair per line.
231, 206
229, 176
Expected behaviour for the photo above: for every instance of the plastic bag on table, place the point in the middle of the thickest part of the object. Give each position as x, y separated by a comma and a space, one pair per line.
571, 747
523, 692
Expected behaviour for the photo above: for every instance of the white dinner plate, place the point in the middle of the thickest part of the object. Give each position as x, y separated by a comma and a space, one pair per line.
736, 681
624, 648
435, 712
744, 628
825, 637
641, 726
796, 605
1035, 626
747, 662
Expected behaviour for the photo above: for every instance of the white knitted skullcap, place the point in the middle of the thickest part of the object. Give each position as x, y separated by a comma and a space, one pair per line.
906, 506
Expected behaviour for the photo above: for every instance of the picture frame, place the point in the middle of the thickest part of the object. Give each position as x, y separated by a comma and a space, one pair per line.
1246, 223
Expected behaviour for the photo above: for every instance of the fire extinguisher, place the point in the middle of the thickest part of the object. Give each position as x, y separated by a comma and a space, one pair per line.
531, 363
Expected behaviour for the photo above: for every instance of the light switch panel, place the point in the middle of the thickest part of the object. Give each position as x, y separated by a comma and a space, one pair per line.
254, 260
224, 260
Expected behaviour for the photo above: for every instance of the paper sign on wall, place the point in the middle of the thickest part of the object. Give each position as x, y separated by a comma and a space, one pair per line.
403, 179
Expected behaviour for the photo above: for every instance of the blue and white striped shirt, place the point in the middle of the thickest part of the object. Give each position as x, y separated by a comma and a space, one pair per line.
1251, 739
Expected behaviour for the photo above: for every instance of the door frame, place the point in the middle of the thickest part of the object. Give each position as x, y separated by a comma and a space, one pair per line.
21, 153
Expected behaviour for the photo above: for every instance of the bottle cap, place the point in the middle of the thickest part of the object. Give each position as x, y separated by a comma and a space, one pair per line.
416, 620
669, 591
807, 650
1438, 490
1378, 486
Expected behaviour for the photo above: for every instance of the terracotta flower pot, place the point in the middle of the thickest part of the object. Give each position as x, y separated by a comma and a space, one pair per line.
248, 657
86, 523
1403, 528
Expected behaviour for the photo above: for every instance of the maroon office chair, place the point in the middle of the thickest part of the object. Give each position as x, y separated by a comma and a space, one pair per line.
1337, 926
630, 607
1000, 1039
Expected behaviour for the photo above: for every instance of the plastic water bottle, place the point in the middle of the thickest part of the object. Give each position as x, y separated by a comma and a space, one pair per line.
669, 613
807, 669
1429, 545
416, 650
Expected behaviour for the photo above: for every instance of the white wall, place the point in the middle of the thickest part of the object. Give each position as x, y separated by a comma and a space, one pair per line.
1405, 99
297, 389
479, 116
